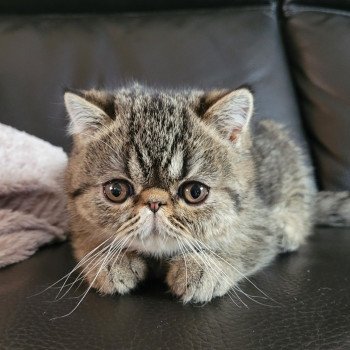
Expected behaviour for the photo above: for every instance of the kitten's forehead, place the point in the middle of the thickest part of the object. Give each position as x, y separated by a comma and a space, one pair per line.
159, 128
156, 139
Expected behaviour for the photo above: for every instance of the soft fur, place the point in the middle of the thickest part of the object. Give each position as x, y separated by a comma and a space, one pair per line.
260, 203
32, 200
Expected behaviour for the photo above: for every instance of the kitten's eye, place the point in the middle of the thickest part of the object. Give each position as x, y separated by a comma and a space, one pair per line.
194, 192
117, 190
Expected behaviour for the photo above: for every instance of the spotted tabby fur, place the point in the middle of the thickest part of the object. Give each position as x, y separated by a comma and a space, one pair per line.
261, 194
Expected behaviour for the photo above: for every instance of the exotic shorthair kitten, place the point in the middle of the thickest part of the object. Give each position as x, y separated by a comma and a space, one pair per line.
187, 177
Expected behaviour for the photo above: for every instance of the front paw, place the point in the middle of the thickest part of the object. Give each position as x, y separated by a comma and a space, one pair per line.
198, 278
119, 276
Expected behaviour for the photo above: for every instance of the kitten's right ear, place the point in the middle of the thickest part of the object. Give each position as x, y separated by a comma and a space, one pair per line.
229, 112
85, 117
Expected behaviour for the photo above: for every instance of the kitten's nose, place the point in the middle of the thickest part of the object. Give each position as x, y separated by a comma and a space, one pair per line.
154, 206
154, 198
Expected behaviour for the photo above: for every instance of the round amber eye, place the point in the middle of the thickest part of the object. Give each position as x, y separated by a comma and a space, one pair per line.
117, 190
194, 192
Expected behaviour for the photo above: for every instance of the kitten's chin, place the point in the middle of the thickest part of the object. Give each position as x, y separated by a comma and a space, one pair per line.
156, 245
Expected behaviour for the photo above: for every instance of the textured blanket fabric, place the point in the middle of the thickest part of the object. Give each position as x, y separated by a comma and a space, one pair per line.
32, 202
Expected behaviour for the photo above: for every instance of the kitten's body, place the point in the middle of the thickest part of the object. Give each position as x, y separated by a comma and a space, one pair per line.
260, 202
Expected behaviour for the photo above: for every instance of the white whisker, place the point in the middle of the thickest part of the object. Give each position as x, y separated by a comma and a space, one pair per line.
202, 245
91, 284
90, 255
213, 266
211, 263
184, 257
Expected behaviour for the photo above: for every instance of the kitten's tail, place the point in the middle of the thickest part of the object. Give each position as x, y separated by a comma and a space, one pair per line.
332, 208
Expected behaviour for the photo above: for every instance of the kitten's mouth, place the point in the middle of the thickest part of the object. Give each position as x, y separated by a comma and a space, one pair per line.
156, 244
153, 238
150, 227
155, 226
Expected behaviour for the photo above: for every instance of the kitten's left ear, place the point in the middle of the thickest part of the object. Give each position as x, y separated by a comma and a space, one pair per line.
231, 112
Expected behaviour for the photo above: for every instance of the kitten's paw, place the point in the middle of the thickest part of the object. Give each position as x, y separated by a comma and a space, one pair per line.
195, 281
119, 277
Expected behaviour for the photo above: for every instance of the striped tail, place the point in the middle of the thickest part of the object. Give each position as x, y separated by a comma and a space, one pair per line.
333, 209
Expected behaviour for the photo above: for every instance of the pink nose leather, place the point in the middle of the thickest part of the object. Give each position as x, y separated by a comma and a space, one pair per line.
154, 206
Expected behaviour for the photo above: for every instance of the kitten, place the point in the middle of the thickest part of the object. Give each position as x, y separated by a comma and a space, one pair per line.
186, 177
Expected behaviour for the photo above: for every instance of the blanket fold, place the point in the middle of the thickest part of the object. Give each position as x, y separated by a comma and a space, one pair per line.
32, 200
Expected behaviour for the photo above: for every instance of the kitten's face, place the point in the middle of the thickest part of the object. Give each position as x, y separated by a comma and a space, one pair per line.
159, 168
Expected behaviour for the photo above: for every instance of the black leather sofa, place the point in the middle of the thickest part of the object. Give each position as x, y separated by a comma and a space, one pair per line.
296, 57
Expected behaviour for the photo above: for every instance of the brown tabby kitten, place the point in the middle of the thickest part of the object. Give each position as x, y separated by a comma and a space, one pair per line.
186, 177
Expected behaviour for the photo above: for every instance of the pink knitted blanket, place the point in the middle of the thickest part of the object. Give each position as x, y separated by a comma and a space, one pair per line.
32, 202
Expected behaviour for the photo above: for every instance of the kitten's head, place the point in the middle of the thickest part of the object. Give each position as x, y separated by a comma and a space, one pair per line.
158, 166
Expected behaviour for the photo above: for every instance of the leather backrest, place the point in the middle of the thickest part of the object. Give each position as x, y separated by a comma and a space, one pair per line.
227, 47
111, 6
202, 47
318, 39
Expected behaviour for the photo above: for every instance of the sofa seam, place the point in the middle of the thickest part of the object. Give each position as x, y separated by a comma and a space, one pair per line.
142, 14
290, 10
284, 38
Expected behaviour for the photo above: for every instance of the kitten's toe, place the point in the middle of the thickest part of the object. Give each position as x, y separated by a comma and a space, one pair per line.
210, 286
193, 282
120, 276
179, 279
101, 280
128, 272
